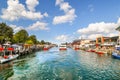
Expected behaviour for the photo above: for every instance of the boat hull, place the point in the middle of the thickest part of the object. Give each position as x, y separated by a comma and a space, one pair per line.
62, 49
99, 52
3, 60
76, 48
115, 56
45, 49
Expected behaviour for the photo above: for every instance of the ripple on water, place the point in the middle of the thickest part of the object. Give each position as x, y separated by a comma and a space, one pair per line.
67, 65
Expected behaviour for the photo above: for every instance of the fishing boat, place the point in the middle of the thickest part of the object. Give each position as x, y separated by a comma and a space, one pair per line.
62, 47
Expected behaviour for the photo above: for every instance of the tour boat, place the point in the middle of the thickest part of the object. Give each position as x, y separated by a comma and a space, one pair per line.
62, 47
115, 55
8, 58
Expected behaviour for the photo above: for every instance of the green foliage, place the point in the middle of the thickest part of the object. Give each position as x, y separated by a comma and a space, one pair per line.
29, 42
42, 42
21, 36
6, 33
33, 39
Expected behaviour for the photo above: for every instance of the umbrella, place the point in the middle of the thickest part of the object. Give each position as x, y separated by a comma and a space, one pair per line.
14, 45
6, 44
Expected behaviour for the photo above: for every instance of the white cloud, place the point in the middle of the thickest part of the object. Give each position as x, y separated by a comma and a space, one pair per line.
38, 26
93, 36
16, 28
46, 14
68, 10
65, 38
16, 10
31, 4
62, 38
99, 29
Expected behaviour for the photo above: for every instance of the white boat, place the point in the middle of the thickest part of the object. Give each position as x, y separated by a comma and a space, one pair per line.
10, 57
62, 47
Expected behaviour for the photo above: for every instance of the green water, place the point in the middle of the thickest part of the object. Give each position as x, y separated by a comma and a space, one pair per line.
62, 65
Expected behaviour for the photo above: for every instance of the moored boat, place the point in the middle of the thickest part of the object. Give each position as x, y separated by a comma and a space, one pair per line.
76, 48
46, 47
100, 52
92, 50
115, 55
8, 58
62, 47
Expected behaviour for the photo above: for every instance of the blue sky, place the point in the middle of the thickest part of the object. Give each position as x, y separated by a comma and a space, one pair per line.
62, 20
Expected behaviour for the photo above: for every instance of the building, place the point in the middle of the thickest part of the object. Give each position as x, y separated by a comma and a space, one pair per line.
106, 41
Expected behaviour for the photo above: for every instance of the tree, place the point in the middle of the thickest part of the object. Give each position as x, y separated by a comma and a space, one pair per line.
21, 36
29, 42
6, 33
33, 39
42, 42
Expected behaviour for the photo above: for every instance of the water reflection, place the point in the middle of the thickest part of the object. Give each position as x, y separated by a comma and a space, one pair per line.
6, 70
64, 65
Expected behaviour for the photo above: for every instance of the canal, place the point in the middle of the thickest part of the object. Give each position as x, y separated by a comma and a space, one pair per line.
61, 65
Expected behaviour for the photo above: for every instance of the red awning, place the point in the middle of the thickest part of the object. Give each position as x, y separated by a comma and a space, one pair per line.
10, 49
1, 49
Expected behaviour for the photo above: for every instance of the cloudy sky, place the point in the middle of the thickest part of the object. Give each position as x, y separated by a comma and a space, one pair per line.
62, 20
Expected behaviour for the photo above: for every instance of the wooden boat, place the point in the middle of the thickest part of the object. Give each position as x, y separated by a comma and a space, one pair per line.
8, 58
115, 55
62, 47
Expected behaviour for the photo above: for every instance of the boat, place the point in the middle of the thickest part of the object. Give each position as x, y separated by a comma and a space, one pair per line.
116, 52
46, 47
100, 52
8, 58
62, 47
116, 55
92, 50
76, 47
